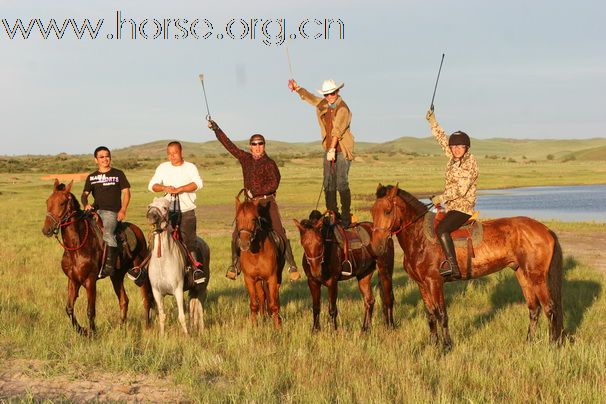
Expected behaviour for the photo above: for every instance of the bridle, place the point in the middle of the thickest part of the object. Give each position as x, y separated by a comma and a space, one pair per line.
402, 226
253, 232
68, 218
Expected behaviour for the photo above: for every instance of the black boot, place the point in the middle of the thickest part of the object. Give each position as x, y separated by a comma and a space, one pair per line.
234, 269
198, 276
451, 257
345, 207
110, 262
293, 272
331, 201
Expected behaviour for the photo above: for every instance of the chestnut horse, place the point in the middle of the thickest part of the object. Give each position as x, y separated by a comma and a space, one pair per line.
523, 244
260, 258
323, 260
83, 255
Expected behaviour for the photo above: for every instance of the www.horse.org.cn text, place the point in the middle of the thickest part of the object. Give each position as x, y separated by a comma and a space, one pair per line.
270, 31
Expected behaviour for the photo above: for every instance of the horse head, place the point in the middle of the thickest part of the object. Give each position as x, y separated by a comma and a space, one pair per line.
59, 206
386, 217
248, 222
312, 243
157, 213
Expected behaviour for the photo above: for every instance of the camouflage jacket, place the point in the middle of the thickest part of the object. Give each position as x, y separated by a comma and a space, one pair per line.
461, 177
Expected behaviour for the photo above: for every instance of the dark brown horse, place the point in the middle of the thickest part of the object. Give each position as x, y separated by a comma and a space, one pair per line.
520, 243
83, 255
260, 259
324, 261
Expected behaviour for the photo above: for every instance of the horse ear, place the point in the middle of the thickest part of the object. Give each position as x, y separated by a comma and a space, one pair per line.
393, 191
238, 203
318, 224
379, 187
299, 225
56, 184
68, 189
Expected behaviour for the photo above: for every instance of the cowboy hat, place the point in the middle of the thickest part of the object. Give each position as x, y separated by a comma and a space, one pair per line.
329, 86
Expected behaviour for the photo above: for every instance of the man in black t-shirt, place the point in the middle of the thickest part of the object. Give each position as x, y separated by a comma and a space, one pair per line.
111, 191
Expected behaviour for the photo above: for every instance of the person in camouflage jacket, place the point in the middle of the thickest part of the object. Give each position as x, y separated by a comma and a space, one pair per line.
459, 197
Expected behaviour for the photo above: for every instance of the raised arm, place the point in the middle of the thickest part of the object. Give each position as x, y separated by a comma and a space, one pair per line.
225, 141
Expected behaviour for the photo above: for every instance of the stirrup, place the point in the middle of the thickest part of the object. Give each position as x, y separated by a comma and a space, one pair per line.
294, 274
198, 276
448, 272
345, 271
137, 275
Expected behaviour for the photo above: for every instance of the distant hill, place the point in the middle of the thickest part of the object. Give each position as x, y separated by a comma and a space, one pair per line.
587, 149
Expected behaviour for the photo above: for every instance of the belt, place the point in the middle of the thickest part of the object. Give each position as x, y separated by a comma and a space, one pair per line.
268, 196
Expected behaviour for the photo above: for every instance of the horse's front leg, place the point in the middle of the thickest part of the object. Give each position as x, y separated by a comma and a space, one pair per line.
437, 292
148, 298
253, 302
262, 293
160, 305
274, 301
118, 284
181, 311
315, 289
369, 300
430, 311
91, 294
332, 301
72, 294
385, 266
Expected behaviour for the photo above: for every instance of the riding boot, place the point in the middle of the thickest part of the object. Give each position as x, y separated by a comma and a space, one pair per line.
331, 201
110, 262
234, 269
293, 272
198, 270
345, 207
451, 257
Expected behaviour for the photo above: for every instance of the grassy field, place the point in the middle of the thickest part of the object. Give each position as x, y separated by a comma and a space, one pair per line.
233, 361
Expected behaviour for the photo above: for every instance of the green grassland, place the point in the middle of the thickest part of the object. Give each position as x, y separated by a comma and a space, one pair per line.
232, 361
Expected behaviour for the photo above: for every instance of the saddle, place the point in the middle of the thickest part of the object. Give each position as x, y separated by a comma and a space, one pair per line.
126, 238
353, 241
466, 236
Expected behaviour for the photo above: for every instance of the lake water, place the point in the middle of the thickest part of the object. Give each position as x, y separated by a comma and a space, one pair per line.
569, 204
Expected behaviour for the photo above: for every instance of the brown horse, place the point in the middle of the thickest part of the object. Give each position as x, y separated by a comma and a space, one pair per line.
323, 261
83, 255
260, 258
520, 243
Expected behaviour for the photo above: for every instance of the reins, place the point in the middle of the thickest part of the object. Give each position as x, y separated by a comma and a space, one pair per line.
404, 226
64, 222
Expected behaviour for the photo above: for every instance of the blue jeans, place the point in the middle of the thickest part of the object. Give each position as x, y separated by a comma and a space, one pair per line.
110, 222
336, 173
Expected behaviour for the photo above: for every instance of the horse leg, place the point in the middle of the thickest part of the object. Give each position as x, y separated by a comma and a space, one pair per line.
179, 298
315, 288
72, 294
160, 305
429, 311
369, 300
385, 265
274, 301
534, 307
437, 293
260, 290
253, 302
148, 297
196, 314
91, 294
118, 284
332, 301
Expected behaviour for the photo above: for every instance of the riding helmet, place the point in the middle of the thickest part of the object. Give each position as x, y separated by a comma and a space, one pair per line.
459, 138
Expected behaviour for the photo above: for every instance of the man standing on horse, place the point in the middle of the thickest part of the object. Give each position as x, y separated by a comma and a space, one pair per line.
459, 197
261, 181
181, 179
111, 191
334, 118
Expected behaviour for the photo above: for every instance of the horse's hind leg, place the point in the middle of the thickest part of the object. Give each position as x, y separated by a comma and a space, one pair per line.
369, 300
118, 284
332, 302
148, 299
196, 314
534, 307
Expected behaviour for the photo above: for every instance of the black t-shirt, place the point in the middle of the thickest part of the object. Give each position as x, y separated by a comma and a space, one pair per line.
107, 188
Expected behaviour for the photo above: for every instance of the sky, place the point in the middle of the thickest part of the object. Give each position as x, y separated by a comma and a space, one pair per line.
513, 69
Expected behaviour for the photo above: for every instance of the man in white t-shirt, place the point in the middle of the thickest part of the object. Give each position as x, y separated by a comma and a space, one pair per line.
179, 177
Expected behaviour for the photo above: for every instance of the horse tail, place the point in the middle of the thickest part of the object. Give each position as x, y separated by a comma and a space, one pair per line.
554, 282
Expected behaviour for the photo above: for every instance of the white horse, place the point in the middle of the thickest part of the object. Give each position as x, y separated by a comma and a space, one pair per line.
167, 269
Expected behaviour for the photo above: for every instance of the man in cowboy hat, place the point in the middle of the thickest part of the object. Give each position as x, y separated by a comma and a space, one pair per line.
334, 118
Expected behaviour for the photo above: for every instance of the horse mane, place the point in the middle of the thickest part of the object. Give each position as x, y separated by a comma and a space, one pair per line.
407, 197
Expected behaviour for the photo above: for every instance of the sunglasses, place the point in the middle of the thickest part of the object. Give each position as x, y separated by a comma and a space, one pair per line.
257, 143
333, 93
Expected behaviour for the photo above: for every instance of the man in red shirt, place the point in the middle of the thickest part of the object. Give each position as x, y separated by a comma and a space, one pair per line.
261, 180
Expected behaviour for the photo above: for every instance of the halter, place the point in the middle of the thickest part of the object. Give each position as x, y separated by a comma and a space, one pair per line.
311, 259
67, 219
403, 226
253, 232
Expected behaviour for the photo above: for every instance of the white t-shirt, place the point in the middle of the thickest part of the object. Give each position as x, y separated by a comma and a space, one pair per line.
176, 176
